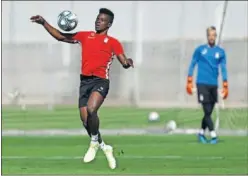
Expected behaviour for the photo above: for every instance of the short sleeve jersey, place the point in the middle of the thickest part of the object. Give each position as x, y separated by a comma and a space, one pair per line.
97, 53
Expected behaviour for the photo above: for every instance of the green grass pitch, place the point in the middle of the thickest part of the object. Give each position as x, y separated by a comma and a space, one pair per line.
116, 118
135, 154
163, 154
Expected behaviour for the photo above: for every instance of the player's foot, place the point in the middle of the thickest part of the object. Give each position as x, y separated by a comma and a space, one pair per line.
214, 141
91, 153
108, 151
202, 139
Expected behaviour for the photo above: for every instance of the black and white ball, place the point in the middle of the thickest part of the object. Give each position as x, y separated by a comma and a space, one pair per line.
67, 21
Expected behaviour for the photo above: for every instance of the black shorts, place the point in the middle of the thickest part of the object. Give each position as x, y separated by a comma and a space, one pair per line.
89, 84
207, 93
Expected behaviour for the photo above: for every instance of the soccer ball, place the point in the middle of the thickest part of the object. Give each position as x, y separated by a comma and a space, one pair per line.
153, 116
67, 21
171, 125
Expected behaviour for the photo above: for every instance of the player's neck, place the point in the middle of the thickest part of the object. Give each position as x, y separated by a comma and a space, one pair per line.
211, 45
102, 32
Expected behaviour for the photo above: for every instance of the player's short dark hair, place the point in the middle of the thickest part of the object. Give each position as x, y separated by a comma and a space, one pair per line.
107, 12
211, 28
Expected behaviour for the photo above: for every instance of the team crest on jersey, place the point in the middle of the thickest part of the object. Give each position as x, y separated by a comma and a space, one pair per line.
217, 55
204, 51
106, 40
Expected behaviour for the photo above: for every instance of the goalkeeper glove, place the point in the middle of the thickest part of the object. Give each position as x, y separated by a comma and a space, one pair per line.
225, 90
189, 86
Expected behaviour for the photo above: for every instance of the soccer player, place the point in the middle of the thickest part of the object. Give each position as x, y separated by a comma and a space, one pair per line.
97, 55
208, 57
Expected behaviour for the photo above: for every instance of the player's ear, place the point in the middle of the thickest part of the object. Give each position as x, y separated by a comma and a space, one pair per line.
109, 25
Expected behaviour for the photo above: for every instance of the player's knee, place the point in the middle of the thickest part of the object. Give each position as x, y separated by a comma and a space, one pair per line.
91, 111
204, 119
207, 116
83, 114
83, 118
207, 110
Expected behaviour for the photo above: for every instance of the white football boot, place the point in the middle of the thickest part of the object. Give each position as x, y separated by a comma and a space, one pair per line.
108, 151
91, 153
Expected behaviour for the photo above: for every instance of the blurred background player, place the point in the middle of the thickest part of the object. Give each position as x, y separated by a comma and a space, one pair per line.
97, 56
208, 57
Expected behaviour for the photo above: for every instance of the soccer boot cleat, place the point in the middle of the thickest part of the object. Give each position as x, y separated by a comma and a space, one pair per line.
214, 141
202, 139
108, 151
91, 152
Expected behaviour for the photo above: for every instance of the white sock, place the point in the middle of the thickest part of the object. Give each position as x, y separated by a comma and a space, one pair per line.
94, 138
213, 134
202, 132
102, 145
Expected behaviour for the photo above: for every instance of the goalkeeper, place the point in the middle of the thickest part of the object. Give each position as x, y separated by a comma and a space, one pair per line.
208, 57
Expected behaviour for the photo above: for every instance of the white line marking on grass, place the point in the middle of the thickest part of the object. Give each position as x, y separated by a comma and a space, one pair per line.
75, 132
168, 157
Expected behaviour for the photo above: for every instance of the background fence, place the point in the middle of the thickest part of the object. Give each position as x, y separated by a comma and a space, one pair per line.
159, 36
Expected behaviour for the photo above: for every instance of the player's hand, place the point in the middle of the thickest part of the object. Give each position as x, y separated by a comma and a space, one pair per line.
189, 86
37, 19
129, 63
225, 90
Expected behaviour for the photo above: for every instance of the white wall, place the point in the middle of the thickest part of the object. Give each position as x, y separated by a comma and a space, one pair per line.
161, 19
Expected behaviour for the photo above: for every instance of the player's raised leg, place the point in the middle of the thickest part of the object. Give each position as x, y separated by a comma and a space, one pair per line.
82, 102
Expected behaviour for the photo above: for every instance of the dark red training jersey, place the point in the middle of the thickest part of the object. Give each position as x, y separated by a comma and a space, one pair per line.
97, 53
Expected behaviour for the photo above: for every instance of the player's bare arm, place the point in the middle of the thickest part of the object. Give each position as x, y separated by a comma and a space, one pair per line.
119, 52
64, 37
126, 62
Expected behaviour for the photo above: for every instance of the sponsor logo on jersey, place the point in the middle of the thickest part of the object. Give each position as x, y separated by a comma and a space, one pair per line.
204, 51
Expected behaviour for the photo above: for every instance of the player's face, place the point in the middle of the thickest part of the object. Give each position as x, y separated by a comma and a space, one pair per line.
211, 35
102, 22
